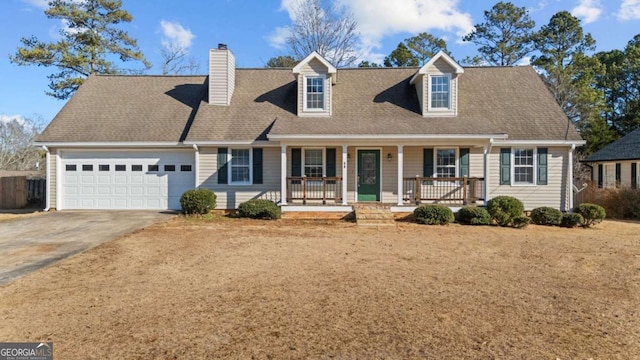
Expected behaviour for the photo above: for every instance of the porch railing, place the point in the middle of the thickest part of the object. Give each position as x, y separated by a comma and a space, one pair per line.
314, 188
461, 189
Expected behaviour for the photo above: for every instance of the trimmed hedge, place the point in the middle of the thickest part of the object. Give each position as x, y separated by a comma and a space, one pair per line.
546, 216
473, 215
571, 220
503, 209
521, 222
259, 209
591, 213
198, 201
433, 214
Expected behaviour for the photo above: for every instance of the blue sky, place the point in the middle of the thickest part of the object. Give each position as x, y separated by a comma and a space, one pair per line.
254, 31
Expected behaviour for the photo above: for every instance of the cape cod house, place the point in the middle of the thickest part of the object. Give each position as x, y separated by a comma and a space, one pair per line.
616, 165
312, 137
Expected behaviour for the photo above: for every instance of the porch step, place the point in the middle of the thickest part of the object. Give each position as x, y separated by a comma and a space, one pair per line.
373, 215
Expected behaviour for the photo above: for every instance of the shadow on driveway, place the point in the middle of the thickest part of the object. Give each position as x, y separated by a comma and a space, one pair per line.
31, 243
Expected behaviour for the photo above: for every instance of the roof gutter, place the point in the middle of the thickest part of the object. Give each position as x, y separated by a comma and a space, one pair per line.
388, 137
119, 144
542, 142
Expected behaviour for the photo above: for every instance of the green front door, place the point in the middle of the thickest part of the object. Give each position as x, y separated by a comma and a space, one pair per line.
368, 175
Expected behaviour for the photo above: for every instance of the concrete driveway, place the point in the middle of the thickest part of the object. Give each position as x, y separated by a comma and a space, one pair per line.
31, 243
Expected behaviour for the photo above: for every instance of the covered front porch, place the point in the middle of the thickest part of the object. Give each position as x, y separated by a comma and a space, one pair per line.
315, 174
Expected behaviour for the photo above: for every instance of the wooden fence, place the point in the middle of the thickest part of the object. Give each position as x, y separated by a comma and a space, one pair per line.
17, 192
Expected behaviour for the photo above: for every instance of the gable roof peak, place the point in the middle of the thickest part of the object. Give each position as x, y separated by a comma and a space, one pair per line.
457, 69
314, 55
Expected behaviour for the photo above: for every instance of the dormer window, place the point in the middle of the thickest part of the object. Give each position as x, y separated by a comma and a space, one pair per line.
314, 93
440, 92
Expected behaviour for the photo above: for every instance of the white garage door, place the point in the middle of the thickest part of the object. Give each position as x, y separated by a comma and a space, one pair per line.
125, 180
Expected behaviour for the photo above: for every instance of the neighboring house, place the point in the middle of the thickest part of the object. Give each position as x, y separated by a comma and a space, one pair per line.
312, 135
616, 165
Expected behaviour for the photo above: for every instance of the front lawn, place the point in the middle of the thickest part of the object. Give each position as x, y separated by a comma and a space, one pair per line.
289, 289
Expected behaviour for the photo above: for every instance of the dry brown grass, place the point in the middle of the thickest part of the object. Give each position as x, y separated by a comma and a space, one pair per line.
289, 289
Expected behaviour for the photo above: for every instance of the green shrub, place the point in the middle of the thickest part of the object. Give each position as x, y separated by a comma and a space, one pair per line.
474, 215
259, 209
503, 209
198, 201
433, 214
546, 216
571, 220
591, 213
521, 222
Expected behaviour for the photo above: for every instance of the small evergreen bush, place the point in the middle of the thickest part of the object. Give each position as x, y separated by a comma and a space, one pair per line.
503, 209
521, 222
591, 213
571, 220
198, 201
259, 209
433, 214
546, 216
474, 215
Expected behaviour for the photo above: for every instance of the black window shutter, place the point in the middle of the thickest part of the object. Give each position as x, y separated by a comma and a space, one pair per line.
618, 174
331, 162
464, 162
505, 166
600, 176
257, 165
634, 175
542, 166
427, 164
223, 173
296, 162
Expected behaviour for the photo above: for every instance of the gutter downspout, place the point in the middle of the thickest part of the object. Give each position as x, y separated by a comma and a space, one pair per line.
197, 165
48, 196
570, 180
487, 153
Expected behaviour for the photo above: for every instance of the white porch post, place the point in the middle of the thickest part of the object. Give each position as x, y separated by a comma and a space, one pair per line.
570, 180
487, 166
400, 172
345, 157
283, 175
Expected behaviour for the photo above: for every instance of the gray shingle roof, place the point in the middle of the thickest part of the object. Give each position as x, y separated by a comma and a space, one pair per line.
128, 108
625, 148
492, 100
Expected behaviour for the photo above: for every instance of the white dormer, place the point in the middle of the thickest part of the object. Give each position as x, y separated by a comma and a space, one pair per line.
437, 86
314, 75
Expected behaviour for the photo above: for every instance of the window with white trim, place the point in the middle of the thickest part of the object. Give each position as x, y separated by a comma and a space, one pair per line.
524, 166
314, 93
440, 92
240, 166
313, 163
609, 175
445, 163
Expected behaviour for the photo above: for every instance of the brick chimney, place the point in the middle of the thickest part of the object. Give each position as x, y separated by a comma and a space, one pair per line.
222, 75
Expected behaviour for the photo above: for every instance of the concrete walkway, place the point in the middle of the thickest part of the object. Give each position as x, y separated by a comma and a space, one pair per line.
31, 243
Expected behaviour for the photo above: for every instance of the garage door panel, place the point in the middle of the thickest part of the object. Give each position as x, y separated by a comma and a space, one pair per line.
125, 181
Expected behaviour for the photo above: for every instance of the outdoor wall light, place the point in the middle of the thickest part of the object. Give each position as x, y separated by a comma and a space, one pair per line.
389, 157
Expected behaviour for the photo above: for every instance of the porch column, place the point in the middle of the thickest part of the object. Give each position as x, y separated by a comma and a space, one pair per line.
400, 172
487, 166
283, 175
569, 206
344, 174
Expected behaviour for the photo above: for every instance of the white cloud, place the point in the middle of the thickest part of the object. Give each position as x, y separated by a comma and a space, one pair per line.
629, 10
525, 61
278, 38
176, 34
9, 118
588, 10
379, 18
38, 3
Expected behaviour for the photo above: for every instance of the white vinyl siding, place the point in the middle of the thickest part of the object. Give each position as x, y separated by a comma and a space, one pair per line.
439, 68
230, 196
221, 76
53, 178
554, 194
